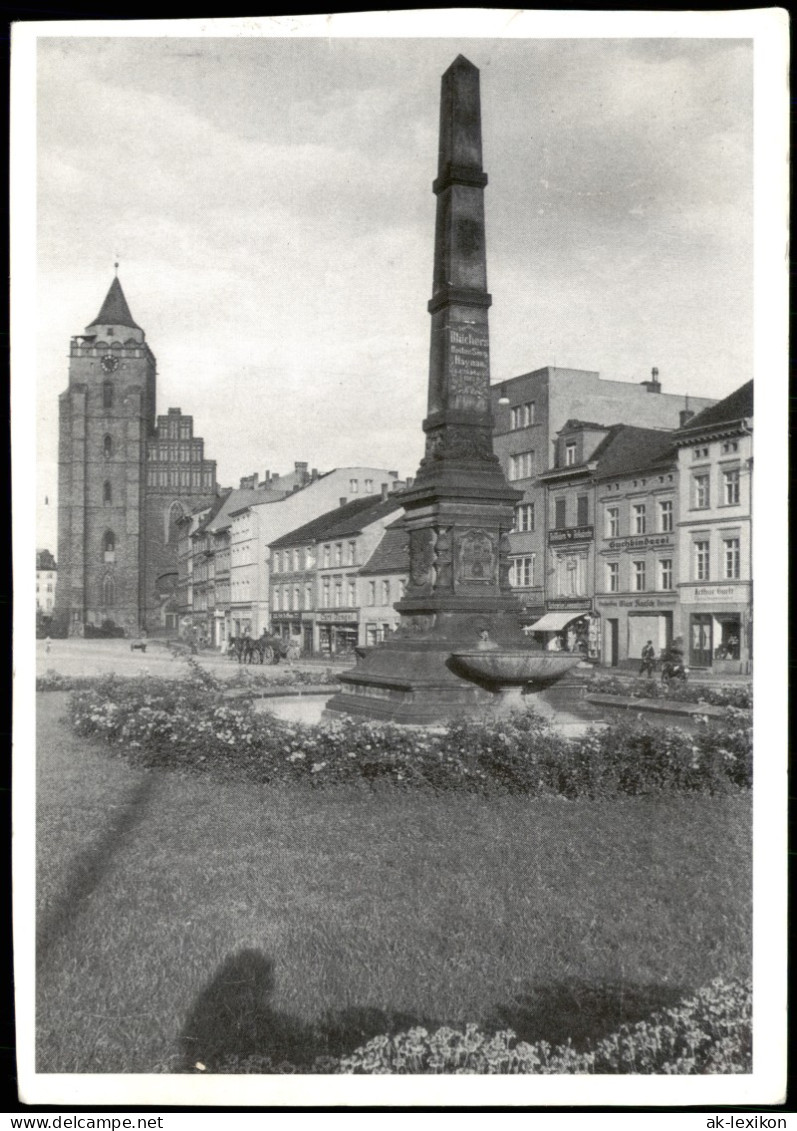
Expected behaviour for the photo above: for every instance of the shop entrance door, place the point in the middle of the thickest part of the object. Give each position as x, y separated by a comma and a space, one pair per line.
613, 641
307, 643
700, 641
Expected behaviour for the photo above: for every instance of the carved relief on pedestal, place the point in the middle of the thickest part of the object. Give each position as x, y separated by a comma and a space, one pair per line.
422, 571
477, 558
504, 561
444, 560
415, 625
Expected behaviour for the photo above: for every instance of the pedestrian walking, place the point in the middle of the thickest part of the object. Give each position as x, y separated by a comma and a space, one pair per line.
648, 659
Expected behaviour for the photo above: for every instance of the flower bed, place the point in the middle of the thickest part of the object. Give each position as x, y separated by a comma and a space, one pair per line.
729, 696
709, 1033
187, 725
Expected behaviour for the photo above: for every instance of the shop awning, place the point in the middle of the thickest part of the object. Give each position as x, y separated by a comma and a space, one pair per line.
554, 622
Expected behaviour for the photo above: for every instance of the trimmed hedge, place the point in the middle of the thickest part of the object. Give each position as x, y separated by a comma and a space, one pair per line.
740, 696
187, 725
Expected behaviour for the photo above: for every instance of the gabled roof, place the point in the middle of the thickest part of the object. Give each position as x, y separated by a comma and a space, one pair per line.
631, 449
351, 518
573, 425
238, 500
392, 555
45, 560
736, 406
115, 310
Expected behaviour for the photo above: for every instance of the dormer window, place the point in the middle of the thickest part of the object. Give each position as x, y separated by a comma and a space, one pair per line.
570, 453
109, 332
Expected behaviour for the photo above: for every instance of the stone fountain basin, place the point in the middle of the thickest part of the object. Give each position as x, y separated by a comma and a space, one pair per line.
515, 668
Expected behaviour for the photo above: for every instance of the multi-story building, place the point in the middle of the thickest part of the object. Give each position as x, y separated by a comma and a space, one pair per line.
318, 592
529, 413
715, 465
46, 580
384, 581
124, 478
255, 526
610, 565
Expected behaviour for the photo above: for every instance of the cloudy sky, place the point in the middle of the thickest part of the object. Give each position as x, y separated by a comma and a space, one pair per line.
270, 202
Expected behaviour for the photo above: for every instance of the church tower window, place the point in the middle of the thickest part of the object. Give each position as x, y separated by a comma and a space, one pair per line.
109, 546
107, 447
108, 592
107, 394
106, 491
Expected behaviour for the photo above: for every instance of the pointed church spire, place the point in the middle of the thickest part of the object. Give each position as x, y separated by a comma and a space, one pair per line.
115, 310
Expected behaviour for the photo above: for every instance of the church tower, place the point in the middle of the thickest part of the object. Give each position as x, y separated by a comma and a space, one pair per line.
116, 512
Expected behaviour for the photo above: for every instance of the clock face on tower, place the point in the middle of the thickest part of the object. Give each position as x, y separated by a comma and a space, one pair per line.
110, 363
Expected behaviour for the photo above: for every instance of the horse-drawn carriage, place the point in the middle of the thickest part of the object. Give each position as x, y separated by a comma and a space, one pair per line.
265, 649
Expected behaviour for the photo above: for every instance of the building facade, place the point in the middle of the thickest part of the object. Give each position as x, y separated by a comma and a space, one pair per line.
125, 476
715, 534
325, 591
529, 413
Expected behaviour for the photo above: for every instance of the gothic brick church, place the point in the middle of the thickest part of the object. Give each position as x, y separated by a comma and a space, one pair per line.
125, 477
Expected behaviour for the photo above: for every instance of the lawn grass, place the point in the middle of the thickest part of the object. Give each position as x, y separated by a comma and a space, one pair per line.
182, 920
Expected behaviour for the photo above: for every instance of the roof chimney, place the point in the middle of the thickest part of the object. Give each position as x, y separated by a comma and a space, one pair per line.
342, 500
653, 385
684, 416
314, 475
408, 482
384, 491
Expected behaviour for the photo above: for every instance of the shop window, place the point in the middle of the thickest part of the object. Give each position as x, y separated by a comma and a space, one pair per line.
730, 487
701, 552
612, 522
639, 517
665, 573
582, 510
665, 516
638, 576
524, 517
560, 514
106, 491
732, 559
613, 577
700, 491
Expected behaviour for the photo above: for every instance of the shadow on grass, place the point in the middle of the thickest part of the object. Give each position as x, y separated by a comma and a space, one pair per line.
579, 1011
89, 869
233, 1026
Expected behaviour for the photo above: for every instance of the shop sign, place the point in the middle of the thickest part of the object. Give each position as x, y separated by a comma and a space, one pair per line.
637, 602
565, 604
337, 618
642, 542
704, 594
571, 534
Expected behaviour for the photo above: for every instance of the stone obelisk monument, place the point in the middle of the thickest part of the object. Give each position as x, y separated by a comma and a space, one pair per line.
460, 508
